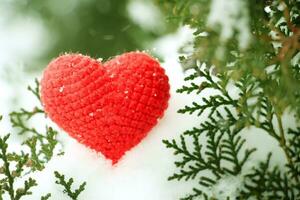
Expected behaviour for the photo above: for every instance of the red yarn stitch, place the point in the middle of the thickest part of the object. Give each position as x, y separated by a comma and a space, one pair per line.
108, 107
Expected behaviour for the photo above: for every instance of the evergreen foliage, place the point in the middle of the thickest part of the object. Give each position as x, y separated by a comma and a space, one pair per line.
265, 76
67, 184
13, 166
38, 149
47, 196
41, 145
273, 44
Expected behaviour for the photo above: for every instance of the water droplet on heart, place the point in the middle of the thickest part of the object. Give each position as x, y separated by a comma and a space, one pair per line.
61, 89
155, 95
126, 91
91, 114
154, 74
99, 110
141, 85
112, 76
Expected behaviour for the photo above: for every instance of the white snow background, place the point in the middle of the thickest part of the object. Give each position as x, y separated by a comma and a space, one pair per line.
142, 173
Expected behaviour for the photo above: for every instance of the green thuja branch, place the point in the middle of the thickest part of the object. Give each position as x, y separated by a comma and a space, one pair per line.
213, 102
273, 45
41, 145
13, 166
221, 151
20, 118
47, 196
67, 185
248, 87
293, 146
266, 182
35, 90
42, 148
218, 146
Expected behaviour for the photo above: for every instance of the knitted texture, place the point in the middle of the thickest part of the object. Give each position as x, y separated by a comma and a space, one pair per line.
108, 107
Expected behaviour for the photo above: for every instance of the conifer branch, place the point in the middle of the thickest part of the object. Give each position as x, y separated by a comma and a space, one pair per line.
224, 152
8, 183
284, 146
36, 90
41, 145
268, 85
67, 185
46, 197
17, 165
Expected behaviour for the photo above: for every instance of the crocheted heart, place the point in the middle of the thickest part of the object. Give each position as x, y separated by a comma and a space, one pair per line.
108, 107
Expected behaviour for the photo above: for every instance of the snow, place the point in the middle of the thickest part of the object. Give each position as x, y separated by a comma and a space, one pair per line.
231, 16
268, 9
61, 89
168, 45
227, 187
296, 59
281, 6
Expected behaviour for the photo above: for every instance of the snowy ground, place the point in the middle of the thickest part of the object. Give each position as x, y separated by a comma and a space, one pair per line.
142, 173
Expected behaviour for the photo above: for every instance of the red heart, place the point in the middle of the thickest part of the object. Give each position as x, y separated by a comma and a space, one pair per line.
108, 107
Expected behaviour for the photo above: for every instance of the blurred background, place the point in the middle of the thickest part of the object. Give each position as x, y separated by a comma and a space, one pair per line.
100, 28
32, 32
